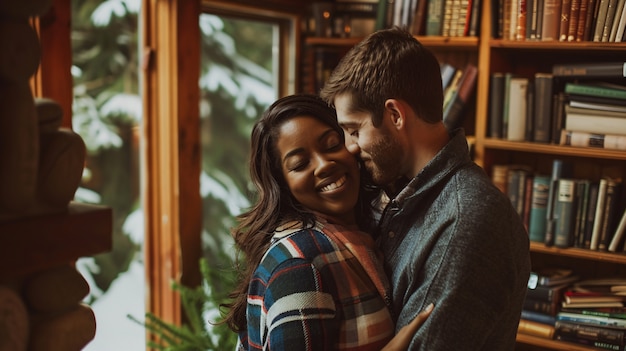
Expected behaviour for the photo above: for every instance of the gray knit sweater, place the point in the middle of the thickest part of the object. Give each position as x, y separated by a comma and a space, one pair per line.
450, 237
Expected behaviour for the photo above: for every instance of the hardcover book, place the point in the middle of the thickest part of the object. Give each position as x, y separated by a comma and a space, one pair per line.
543, 107
564, 213
538, 209
590, 70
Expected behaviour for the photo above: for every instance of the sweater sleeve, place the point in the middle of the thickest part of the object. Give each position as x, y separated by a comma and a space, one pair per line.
298, 308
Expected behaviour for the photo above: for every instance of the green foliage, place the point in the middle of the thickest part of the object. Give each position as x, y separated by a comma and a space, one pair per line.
198, 334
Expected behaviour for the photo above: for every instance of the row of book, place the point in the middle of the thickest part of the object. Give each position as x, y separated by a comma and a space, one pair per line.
450, 18
559, 305
575, 104
563, 211
560, 20
459, 85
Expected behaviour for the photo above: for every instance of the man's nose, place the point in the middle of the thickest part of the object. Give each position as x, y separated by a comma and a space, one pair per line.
353, 148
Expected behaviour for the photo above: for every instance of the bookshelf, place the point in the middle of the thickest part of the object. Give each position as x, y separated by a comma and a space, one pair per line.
524, 58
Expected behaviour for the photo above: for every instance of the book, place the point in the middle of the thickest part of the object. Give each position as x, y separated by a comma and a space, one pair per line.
560, 169
601, 90
546, 307
573, 20
520, 22
573, 297
516, 127
564, 213
531, 19
607, 101
582, 16
566, 7
616, 19
598, 215
613, 188
582, 202
516, 187
447, 73
453, 115
499, 177
551, 20
591, 304
551, 276
590, 343
496, 104
603, 6
590, 70
538, 209
621, 26
589, 20
591, 320
530, 111
618, 236
559, 100
575, 102
590, 333
594, 121
592, 199
538, 317
529, 327
505, 104
434, 19
612, 312
542, 107
608, 21
547, 293
585, 139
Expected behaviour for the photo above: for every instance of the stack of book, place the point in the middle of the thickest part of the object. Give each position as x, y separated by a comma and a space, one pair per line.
595, 115
593, 314
578, 104
543, 300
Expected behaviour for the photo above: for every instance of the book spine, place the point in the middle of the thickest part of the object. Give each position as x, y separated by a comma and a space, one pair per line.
566, 7
592, 13
618, 13
582, 201
603, 6
608, 22
582, 18
538, 317
560, 169
573, 20
619, 234
590, 90
542, 107
595, 124
559, 101
539, 203
517, 109
564, 213
535, 328
591, 213
434, 20
591, 333
551, 20
496, 100
610, 207
453, 117
597, 224
585, 139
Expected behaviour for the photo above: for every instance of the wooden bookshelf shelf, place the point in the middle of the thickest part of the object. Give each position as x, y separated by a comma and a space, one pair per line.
556, 45
549, 343
584, 254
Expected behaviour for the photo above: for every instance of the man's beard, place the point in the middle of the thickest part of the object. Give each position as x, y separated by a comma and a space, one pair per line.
384, 165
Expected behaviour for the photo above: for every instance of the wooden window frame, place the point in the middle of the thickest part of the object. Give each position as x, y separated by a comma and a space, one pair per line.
170, 147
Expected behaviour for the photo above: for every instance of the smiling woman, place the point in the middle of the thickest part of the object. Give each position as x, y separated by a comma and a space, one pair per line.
310, 270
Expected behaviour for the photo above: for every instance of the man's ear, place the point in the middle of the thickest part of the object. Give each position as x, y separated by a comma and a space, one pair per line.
395, 110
